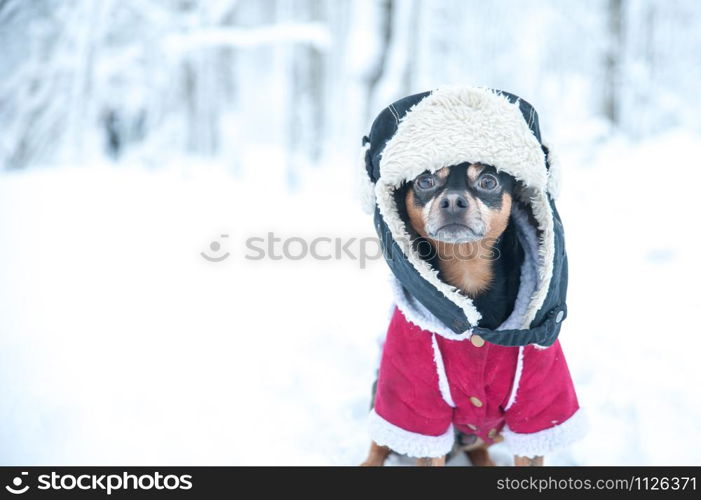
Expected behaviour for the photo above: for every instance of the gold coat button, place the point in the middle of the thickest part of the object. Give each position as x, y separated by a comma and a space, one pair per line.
475, 401
492, 433
477, 341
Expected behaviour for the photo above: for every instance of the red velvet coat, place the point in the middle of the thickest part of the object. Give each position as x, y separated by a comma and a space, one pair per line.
429, 385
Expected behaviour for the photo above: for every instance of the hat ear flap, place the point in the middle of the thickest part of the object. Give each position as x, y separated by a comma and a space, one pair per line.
554, 171
366, 188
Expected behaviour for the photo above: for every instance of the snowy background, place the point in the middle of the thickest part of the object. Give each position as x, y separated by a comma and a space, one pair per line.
135, 133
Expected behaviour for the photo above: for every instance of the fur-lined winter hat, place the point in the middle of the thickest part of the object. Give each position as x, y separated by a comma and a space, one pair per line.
450, 126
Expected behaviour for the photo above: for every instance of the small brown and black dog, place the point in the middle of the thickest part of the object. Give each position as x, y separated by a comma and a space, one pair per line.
463, 213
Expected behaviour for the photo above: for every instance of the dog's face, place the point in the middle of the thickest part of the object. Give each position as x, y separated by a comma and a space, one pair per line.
460, 204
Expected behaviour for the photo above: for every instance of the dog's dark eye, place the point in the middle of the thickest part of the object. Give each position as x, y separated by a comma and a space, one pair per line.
488, 182
425, 181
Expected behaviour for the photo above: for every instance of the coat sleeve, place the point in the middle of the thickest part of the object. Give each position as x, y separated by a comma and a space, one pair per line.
409, 414
542, 413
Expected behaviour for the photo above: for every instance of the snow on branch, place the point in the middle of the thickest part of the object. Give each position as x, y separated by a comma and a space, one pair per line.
315, 34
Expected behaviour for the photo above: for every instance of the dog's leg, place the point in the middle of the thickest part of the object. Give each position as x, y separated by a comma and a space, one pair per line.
431, 461
377, 456
479, 457
528, 461
477, 450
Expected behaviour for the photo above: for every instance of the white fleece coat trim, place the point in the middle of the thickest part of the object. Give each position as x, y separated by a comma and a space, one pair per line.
548, 440
454, 125
409, 443
418, 315
517, 379
554, 172
365, 187
443, 385
528, 239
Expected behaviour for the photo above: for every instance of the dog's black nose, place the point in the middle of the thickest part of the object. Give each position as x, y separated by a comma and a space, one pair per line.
453, 203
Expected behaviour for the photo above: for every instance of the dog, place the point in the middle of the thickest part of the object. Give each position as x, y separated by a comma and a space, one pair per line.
461, 214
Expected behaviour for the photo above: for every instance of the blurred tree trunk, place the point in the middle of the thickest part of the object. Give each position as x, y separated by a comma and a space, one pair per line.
202, 77
308, 96
397, 72
387, 14
305, 76
613, 61
414, 25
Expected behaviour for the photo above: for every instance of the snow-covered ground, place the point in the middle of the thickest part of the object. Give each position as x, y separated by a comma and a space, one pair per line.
120, 344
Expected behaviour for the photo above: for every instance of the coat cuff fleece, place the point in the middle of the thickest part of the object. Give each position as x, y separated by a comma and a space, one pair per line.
548, 440
409, 443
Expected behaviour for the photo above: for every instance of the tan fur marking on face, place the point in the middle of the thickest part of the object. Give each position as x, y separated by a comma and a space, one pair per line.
474, 171
472, 275
443, 173
500, 219
416, 214
427, 209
